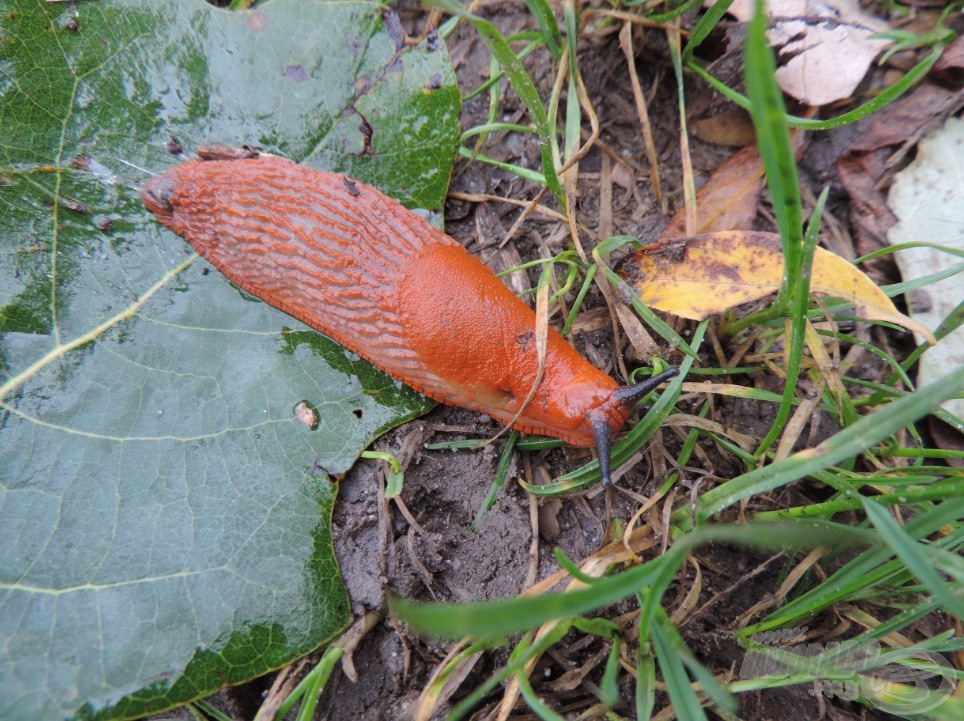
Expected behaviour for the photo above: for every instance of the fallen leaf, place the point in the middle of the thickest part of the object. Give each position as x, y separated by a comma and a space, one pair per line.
714, 272
952, 57
870, 217
927, 198
719, 124
867, 164
728, 200
823, 48
909, 118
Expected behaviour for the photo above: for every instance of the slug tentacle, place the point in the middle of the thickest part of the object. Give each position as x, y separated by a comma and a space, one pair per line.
629, 395
606, 420
603, 434
357, 266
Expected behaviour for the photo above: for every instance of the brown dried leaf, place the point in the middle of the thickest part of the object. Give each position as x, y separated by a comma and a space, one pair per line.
953, 56
868, 164
714, 272
728, 200
711, 117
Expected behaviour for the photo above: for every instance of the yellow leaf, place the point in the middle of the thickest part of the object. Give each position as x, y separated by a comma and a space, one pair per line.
714, 272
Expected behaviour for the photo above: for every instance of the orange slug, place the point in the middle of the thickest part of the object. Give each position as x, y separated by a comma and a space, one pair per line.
359, 267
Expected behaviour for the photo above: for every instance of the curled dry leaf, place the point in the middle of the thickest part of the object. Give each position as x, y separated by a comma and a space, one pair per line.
714, 272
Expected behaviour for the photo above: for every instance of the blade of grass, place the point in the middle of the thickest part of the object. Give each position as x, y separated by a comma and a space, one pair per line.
847, 443
393, 474
645, 684
651, 599
609, 684
494, 94
907, 549
799, 297
773, 142
885, 96
498, 481
940, 490
547, 24
209, 711
503, 617
580, 297
521, 83
890, 249
539, 707
518, 659
689, 186
319, 677
514, 615
906, 286
495, 127
571, 568
708, 683
870, 569
951, 323
836, 307
535, 42
683, 698
704, 26
671, 14
573, 111
532, 175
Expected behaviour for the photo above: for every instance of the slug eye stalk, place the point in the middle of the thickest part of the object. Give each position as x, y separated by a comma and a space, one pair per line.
601, 429
603, 434
628, 396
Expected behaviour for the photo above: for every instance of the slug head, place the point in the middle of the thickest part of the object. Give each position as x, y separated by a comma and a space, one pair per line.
157, 194
606, 420
184, 198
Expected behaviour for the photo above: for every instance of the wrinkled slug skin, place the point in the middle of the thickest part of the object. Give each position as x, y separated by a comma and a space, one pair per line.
357, 266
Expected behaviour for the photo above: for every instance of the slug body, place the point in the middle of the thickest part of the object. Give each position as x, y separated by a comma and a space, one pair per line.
359, 267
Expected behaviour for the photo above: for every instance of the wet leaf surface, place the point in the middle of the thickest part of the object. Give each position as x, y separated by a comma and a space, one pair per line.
164, 515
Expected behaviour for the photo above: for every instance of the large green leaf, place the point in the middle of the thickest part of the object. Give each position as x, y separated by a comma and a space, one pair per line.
164, 525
